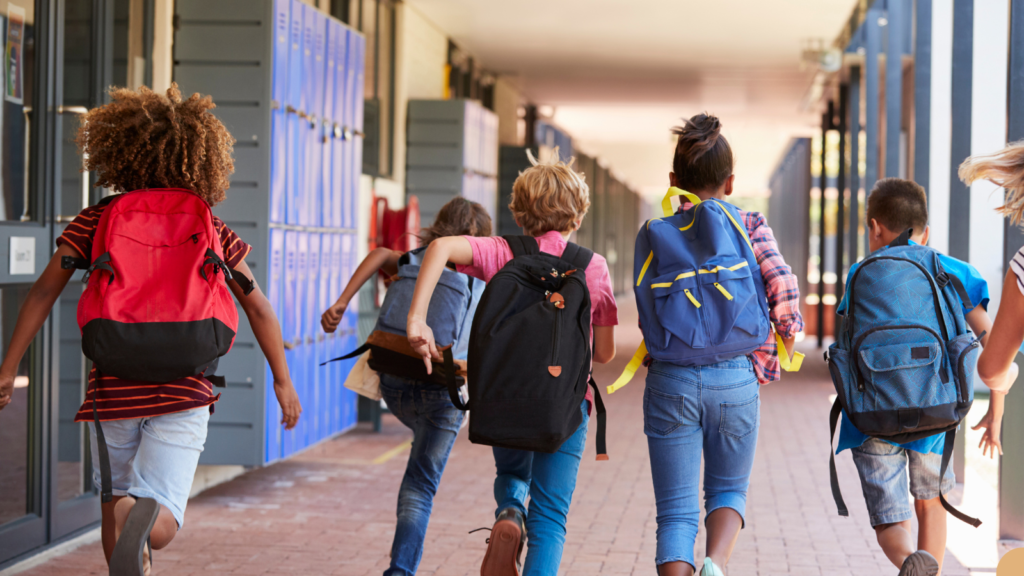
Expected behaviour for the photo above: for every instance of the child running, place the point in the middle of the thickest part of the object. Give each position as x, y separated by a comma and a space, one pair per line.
709, 404
894, 206
423, 406
153, 146
549, 201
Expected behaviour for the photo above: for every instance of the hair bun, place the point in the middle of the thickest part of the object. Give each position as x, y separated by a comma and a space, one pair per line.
698, 134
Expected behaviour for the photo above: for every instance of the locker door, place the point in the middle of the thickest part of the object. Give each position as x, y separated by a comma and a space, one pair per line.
349, 400
278, 120
327, 146
311, 319
292, 107
275, 289
306, 102
290, 330
302, 384
341, 171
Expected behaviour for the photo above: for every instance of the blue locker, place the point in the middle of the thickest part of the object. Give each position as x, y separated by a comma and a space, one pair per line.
334, 30
275, 286
311, 319
306, 135
342, 84
317, 118
352, 93
323, 301
334, 344
300, 374
288, 320
348, 399
357, 160
292, 108
278, 122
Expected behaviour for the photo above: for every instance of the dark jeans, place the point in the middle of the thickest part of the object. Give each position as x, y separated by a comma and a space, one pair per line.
426, 409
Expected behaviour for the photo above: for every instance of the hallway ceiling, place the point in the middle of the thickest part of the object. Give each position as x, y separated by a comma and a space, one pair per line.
620, 73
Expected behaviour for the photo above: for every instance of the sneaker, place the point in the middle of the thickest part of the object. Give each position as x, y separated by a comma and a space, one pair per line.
920, 563
710, 569
505, 546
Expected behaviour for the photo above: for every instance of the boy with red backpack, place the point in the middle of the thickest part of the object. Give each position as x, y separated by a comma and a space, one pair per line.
157, 312
530, 357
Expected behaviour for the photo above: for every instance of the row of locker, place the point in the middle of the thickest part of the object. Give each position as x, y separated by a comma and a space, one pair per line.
481, 140
317, 118
308, 271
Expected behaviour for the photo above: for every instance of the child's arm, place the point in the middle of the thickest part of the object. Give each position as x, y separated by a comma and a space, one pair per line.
454, 249
995, 366
268, 333
604, 344
379, 259
37, 306
992, 422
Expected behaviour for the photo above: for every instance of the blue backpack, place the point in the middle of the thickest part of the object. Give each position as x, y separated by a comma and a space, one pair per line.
903, 362
449, 315
698, 288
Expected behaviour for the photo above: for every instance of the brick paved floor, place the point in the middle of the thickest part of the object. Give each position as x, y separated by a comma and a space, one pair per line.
330, 510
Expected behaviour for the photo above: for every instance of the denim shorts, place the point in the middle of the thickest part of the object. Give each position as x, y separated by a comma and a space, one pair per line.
884, 470
154, 457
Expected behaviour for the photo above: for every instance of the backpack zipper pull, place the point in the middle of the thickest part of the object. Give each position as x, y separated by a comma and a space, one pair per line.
195, 238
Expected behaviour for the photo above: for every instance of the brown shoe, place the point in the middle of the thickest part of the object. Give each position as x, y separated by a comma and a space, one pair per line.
505, 545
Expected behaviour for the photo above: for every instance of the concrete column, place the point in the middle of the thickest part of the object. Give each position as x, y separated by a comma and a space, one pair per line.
922, 90
894, 87
854, 129
941, 114
960, 127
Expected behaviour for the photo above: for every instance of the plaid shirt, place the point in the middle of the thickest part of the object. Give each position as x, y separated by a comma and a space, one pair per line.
783, 294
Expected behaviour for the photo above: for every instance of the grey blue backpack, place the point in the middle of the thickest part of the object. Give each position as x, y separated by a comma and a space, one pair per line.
904, 360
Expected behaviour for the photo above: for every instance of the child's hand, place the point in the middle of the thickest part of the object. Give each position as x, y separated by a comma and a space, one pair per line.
421, 338
992, 422
6, 390
332, 317
288, 399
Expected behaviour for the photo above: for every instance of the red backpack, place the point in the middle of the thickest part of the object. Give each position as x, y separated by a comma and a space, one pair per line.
157, 307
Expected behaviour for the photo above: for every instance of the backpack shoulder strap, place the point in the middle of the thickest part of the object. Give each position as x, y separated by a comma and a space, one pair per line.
577, 255
903, 239
522, 245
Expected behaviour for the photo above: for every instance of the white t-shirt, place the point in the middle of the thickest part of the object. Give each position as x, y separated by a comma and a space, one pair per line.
1017, 265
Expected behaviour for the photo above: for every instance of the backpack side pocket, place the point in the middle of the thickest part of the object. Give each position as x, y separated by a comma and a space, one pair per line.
963, 357
678, 307
844, 380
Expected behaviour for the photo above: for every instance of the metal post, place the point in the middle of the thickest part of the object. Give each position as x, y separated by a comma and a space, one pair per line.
841, 198
922, 92
826, 125
1011, 465
960, 148
872, 46
894, 88
854, 127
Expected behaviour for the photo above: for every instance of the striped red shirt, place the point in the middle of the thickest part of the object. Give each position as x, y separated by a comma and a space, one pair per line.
123, 399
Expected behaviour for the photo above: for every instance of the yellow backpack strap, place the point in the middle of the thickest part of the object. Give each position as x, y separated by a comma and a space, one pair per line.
631, 368
666, 203
788, 364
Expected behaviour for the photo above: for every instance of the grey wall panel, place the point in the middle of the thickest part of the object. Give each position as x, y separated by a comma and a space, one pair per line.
239, 43
437, 155
229, 83
221, 10
443, 133
248, 124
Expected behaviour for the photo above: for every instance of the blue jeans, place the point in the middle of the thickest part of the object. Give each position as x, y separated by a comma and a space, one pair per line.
688, 409
549, 480
888, 473
426, 409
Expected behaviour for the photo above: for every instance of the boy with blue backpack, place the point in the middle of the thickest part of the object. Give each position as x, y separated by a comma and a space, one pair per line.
419, 400
903, 366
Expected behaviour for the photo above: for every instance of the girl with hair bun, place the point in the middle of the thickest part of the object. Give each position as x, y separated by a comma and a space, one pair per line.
712, 408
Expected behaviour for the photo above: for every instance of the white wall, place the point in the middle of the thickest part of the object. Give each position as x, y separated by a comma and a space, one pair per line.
941, 129
988, 134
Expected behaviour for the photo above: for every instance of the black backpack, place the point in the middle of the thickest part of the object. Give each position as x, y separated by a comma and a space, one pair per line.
530, 352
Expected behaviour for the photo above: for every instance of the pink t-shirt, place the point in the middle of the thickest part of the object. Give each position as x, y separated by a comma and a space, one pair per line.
490, 254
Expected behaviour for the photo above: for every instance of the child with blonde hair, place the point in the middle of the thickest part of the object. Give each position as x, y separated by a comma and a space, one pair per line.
549, 201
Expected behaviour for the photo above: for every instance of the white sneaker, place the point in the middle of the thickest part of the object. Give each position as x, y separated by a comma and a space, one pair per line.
710, 569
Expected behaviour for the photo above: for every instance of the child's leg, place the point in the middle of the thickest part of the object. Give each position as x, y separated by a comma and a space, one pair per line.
122, 438
925, 488
554, 480
163, 530
730, 414
165, 467
674, 441
435, 423
883, 479
514, 470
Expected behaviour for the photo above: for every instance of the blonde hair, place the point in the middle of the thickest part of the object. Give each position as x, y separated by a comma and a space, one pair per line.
549, 195
1004, 168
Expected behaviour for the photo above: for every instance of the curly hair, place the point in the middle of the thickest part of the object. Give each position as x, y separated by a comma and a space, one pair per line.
142, 139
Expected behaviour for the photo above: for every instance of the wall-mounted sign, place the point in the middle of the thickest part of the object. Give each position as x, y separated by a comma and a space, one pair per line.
23, 255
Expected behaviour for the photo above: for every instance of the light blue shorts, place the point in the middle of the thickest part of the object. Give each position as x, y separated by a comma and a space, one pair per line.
889, 475
154, 457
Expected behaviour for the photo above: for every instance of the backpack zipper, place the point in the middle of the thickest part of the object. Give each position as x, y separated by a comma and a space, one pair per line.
195, 238
855, 351
850, 309
557, 335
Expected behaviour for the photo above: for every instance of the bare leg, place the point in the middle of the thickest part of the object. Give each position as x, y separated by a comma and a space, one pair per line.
163, 531
723, 527
107, 528
896, 541
675, 569
931, 522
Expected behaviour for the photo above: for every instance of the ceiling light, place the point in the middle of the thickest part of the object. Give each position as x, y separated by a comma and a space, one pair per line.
883, 21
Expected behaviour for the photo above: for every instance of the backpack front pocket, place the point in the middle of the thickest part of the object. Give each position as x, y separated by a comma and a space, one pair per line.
679, 309
904, 371
730, 308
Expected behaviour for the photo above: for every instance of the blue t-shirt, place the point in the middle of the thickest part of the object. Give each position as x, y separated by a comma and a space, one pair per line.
977, 289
